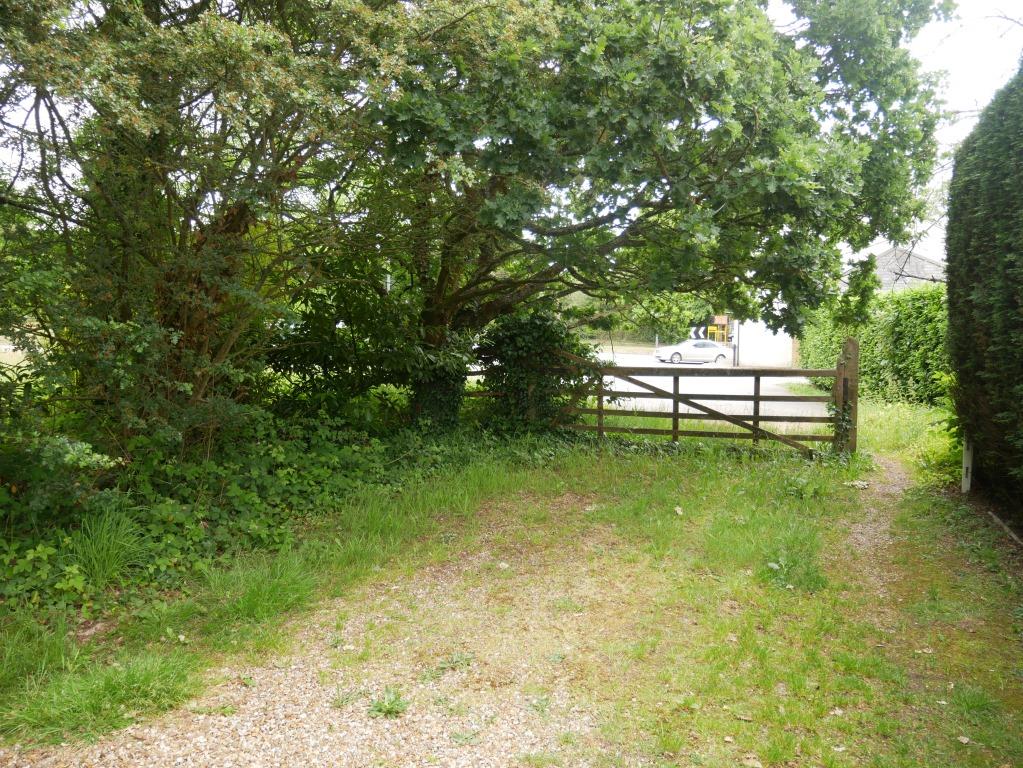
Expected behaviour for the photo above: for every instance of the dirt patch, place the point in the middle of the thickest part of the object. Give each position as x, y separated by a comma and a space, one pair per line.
869, 543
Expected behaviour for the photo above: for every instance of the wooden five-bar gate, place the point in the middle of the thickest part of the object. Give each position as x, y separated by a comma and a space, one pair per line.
841, 419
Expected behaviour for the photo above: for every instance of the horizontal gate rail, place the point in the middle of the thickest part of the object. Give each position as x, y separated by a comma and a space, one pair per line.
613, 394
688, 432
642, 370
698, 416
843, 399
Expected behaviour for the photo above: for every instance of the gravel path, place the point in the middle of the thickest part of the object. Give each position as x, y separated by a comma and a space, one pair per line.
481, 651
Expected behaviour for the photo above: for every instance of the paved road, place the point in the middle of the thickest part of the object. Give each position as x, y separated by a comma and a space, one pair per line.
719, 385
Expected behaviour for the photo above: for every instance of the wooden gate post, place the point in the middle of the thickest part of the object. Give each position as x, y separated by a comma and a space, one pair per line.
674, 411
756, 410
846, 395
600, 409
851, 351
837, 392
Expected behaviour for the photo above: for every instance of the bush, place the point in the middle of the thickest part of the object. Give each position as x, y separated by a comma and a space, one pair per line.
985, 288
525, 366
903, 356
73, 529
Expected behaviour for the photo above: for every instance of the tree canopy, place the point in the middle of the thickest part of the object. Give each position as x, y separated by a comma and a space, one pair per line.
349, 190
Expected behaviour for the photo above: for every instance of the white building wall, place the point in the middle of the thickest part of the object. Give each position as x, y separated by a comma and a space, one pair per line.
760, 346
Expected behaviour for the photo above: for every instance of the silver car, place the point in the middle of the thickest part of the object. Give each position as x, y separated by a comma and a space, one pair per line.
694, 351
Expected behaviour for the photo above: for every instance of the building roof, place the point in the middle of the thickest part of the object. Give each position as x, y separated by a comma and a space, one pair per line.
899, 268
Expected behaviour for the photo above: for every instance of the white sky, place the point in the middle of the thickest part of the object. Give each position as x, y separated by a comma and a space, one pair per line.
977, 52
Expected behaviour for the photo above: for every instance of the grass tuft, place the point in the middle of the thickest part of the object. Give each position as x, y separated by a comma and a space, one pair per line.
86, 703
107, 548
258, 587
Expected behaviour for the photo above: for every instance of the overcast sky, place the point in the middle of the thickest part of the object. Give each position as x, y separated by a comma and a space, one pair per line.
977, 52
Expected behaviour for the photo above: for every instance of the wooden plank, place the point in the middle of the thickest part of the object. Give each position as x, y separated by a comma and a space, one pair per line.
622, 393
642, 370
689, 433
697, 416
724, 416
633, 370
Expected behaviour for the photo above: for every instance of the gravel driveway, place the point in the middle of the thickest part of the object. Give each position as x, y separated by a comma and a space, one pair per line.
481, 650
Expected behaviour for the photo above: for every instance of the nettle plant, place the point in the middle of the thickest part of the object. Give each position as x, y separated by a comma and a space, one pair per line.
527, 367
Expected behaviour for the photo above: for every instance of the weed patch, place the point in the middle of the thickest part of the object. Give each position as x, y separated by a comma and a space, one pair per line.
389, 704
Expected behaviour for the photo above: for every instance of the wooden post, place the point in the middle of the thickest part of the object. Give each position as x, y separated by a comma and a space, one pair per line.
600, 410
967, 466
851, 352
674, 411
838, 399
756, 410
847, 392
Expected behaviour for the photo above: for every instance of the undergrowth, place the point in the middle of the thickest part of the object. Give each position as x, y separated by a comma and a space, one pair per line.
67, 673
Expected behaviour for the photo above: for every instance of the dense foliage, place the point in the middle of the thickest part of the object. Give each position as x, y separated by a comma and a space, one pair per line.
84, 522
985, 288
903, 354
220, 221
527, 370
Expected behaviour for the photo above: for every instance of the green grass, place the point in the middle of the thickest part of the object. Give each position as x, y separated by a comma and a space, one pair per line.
728, 604
107, 547
85, 702
34, 650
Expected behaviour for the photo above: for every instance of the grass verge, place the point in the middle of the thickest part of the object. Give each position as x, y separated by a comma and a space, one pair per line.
740, 610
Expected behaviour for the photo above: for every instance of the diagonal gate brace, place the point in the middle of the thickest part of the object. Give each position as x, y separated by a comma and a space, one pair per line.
759, 431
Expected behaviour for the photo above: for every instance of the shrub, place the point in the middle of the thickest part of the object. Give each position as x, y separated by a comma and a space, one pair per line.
525, 366
985, 288
438, 384
903, 357
68, 535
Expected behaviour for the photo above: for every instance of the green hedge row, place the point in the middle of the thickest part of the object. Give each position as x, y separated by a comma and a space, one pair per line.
985, 289
902, 346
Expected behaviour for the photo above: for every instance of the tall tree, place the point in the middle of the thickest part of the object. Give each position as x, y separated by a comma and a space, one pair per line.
610, 147
159, 149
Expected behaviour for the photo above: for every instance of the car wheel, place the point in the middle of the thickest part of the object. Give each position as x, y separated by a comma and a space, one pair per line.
719, 359
676, 358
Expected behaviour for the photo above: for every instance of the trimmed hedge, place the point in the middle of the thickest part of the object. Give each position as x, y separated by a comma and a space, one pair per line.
902, 346
984, 243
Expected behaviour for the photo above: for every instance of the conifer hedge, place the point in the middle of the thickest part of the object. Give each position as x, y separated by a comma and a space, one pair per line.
984, 244
902, 346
